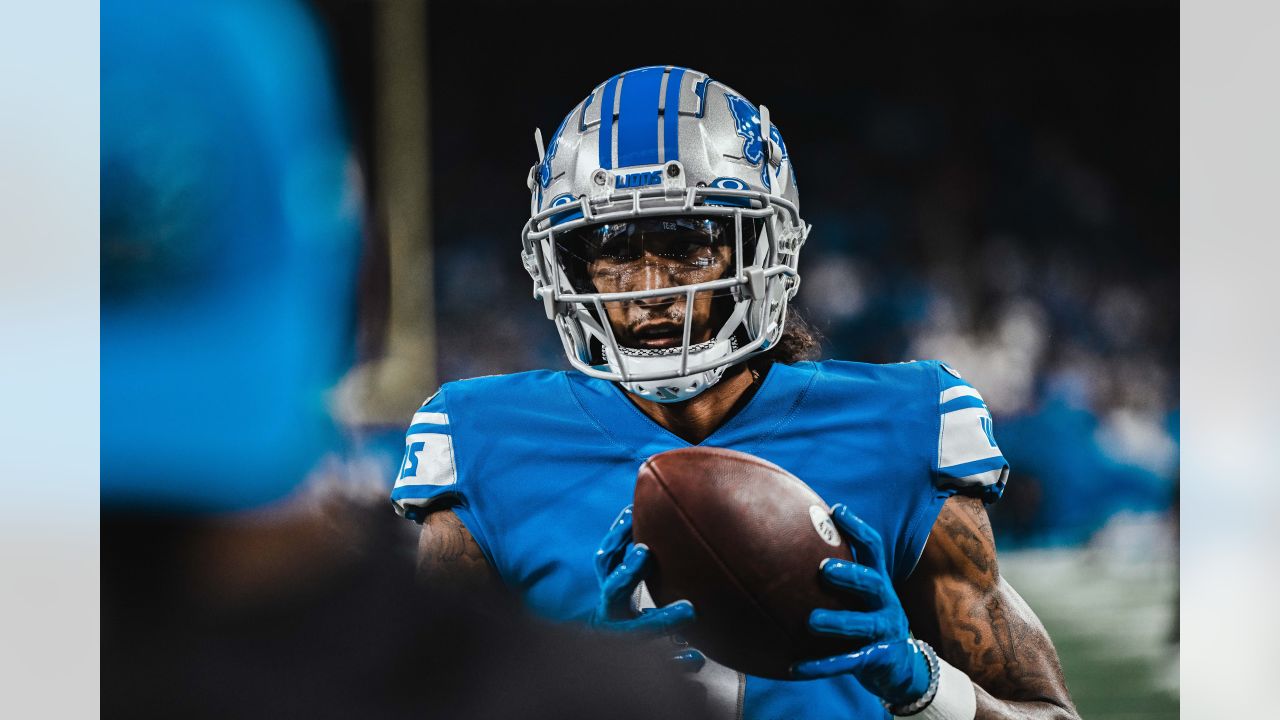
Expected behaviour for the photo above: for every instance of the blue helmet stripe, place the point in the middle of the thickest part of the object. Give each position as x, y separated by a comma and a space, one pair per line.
701, 90
671, 116
638, 117
606, 123
582, 116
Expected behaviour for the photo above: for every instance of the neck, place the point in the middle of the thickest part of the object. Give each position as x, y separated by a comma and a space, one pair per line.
694, 420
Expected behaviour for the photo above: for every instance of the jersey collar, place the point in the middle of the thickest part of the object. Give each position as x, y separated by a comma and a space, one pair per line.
774, 404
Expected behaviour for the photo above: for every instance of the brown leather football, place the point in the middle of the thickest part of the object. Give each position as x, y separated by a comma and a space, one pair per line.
742, 539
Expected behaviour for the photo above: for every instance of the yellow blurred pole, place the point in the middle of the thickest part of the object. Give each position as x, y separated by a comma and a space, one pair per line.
388, 391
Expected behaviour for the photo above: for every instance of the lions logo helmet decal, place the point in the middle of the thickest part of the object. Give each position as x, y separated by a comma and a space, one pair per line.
747, 123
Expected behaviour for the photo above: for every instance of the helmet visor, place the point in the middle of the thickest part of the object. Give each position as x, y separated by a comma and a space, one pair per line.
651, 253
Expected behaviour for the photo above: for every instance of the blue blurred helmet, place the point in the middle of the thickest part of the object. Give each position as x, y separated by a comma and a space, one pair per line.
230, 229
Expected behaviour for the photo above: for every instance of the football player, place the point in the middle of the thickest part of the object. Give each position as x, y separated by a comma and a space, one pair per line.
663, 244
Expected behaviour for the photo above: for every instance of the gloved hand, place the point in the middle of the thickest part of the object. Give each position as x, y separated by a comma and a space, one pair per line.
890, 665
620, 566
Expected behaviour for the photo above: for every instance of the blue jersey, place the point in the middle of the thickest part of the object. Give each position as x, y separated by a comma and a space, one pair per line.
538, 464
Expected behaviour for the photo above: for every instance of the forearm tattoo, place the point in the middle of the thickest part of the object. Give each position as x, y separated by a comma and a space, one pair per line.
958, 602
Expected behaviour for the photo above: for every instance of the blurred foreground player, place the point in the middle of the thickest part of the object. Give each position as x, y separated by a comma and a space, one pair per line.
232, 586
663, 244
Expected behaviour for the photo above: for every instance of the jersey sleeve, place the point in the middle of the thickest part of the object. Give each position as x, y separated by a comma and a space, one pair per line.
428, 473
968, 460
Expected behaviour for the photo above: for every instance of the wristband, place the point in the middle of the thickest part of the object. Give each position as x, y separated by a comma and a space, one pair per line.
935, 676
953, 695
955, 699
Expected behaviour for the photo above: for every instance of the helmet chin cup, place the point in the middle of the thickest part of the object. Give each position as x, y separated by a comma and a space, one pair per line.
666, 361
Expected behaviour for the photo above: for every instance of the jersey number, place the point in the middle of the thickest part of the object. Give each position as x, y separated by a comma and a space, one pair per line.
986, 428
410, 467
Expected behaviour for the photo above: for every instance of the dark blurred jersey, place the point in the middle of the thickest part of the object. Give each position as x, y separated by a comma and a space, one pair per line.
317, 615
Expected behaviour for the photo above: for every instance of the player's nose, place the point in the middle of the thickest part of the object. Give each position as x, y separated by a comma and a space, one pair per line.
657, 274
656, 303
657, 281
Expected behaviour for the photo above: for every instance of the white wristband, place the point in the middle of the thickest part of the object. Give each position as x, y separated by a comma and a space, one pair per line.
955, 699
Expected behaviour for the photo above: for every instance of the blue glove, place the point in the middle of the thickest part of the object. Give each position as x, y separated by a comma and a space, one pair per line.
620, 566
889, 665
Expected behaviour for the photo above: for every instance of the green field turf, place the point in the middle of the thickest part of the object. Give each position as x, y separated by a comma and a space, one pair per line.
1111, 621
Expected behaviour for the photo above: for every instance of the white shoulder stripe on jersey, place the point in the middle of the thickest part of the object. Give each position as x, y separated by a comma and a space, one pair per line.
964, 437
952, 393
430, 418
429, 461
990, 477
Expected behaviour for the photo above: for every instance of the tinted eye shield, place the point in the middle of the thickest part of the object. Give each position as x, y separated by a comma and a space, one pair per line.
541, 237
685, 250
674, 238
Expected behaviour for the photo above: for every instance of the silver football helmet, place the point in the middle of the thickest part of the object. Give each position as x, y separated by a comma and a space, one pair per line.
673, 177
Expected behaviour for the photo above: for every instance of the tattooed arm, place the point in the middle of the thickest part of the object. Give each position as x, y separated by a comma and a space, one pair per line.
957, 602
448, 555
